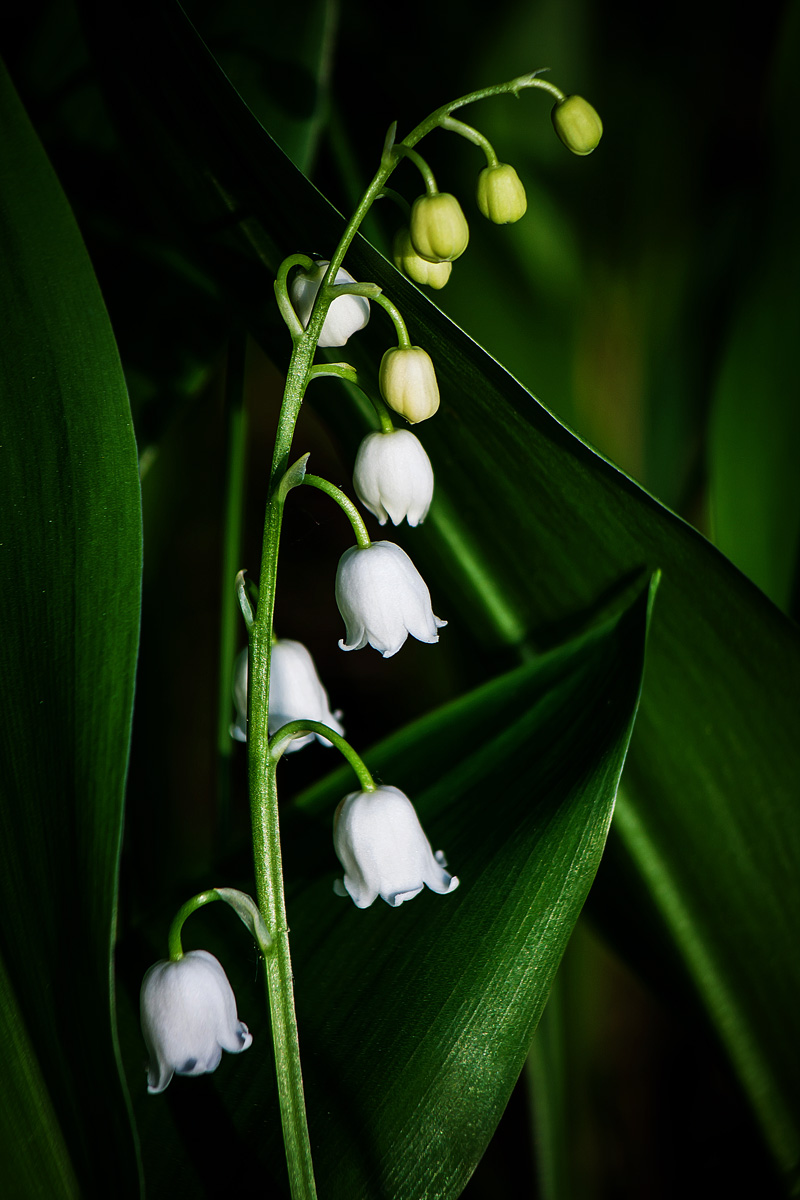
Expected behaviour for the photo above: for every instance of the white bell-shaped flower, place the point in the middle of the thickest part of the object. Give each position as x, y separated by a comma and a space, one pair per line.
393, 477
383, 598
384, 851
346, 315
188, 1013
296, 693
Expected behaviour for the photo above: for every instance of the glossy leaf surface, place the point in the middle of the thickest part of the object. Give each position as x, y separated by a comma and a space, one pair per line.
70, 567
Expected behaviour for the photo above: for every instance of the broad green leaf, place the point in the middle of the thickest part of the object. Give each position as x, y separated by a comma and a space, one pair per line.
35, 1160
429, 1009
279, 59
532, 531
755, 425
70, 566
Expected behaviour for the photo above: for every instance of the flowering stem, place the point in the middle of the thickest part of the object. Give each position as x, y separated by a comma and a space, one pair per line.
350, 375
400, 326
472, 135
347, 506
423, 168
261, 765
382, 412
283, 737
242, 904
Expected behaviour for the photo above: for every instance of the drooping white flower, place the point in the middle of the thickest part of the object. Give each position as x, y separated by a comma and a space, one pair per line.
393, 477
296, 693
188, 1014
384, 851
383, 598
346, 315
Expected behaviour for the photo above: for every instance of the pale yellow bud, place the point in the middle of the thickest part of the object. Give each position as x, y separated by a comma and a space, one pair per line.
407, 260
577, 124
408, 383
501, 196
439, 229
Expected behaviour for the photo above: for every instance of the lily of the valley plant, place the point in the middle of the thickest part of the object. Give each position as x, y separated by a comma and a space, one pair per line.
188, 1010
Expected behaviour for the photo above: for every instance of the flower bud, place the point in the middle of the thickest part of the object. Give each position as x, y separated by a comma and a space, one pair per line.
577, 124
384, 851
346, 315
407, 260
393, 477
408, 384
439, 229
188, 1013
383, 598
501, 196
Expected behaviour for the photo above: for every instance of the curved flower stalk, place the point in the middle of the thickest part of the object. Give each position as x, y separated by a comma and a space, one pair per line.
296, 692
188, 1015
380, 594
384, 851
393, 477
346, 315
383, 598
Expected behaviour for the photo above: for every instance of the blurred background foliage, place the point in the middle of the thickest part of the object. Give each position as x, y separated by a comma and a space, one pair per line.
649, 299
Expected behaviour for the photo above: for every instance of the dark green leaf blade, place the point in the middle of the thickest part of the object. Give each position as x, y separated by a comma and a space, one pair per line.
70, 571
35, 1160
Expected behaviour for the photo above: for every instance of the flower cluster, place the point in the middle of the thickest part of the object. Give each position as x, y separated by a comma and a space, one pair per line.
188, 1010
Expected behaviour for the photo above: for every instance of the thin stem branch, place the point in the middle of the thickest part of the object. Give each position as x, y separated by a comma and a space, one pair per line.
283, 737
397, 318
422, 166
472, 135
347, 506
262, 767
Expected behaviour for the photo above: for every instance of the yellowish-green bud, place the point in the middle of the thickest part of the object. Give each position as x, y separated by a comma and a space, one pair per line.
408, 383
439, 229
419, 269
501, 196
577, 124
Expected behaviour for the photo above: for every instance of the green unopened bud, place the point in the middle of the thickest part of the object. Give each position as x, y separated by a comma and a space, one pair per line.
408, 383
577, 124
439, 228
501, 196
407, 260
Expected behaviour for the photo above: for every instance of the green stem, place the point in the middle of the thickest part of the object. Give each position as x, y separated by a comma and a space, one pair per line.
283, 737
347, 506
472, 135
183, 913
382, 412
400, 326
422, 166
350, 375
267, 856
261, 767
282, 292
